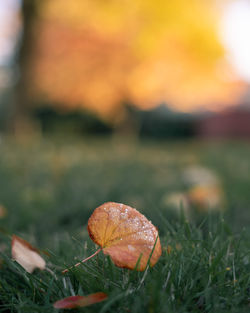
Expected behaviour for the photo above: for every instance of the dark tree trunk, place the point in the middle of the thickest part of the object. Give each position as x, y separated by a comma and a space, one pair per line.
21, 120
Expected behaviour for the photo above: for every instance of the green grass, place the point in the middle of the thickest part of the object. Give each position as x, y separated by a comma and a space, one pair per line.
50, 188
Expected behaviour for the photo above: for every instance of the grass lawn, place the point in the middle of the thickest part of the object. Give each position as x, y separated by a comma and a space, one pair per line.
49, 189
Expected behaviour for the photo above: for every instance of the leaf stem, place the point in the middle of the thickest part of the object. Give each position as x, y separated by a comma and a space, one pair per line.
83, 261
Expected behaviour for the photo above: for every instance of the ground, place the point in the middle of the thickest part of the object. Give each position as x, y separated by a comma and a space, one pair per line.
49, 188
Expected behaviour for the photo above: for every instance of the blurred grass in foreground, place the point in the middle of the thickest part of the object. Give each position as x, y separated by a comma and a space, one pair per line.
55, 184
49, 188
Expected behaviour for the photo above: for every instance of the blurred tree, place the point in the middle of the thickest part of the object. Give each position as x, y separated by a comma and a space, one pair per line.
101, 54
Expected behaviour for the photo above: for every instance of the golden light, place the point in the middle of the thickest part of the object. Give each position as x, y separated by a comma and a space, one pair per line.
97, 55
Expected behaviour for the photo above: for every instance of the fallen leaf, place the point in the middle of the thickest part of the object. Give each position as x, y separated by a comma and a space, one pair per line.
125, 234
26, 255
207, 198
80, 301
205, 191
3, 211
177, 201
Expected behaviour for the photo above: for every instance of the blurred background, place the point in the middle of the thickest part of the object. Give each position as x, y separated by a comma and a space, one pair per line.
175, 68
151, 96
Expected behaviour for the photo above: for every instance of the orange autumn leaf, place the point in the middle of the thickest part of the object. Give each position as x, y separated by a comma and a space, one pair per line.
207, 197
80, 301
26, 255
126, 235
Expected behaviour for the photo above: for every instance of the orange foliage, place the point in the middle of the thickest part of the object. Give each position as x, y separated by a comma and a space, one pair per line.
97, 54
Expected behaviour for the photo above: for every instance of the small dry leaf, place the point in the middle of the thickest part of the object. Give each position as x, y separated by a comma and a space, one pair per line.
207, 197
3, 211
79, 301
26, 255
177, 201
125, 234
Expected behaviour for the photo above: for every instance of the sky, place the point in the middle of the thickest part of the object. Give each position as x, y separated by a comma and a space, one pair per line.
235, 31
8, 29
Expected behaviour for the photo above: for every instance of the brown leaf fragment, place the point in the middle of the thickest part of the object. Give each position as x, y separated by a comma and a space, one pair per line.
80, 301
26, 255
